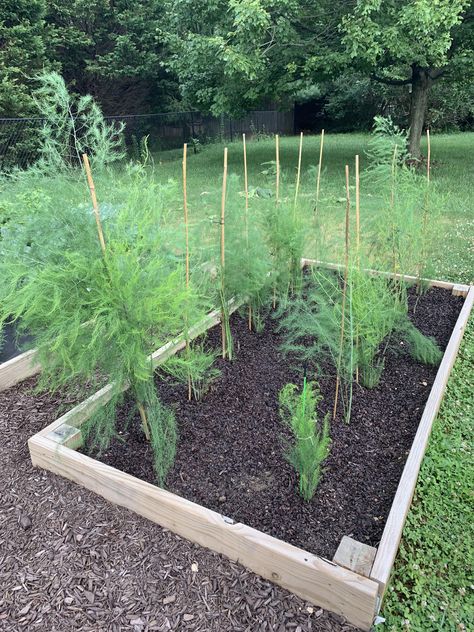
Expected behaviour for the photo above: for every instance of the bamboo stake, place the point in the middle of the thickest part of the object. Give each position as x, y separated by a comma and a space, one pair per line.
142, 412
186, 233
95, 205
344, 291
277, 194
224, 188
318, 181
277, 155
246, 185
428, 160
298, 175
185, 207
357, 184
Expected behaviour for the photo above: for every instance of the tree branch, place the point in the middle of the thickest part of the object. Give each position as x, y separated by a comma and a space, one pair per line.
391, 82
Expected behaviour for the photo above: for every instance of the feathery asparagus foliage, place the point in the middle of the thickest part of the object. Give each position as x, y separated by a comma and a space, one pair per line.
98, 316
311, 438
285, 235
247, 259
73, 125
196, 364
376, 311
402, 237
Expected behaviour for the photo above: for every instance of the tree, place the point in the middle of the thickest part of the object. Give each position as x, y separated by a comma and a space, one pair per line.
412, 43
230, 55
22, 53
112, 50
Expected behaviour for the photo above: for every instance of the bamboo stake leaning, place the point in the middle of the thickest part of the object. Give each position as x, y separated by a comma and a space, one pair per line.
95, 205
224, 190
344, 292
100, 233
246, 185
318, 181
298, 175
186, 234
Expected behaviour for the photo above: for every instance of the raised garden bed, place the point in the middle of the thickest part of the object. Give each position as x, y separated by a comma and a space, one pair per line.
353, 583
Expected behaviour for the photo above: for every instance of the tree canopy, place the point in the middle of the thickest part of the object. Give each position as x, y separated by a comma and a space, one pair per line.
229, 56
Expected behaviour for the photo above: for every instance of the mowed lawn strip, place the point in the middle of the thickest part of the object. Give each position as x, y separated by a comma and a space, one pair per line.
432, 586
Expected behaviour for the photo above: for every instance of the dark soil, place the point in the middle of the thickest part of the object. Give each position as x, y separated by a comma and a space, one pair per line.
72, 562
230, 456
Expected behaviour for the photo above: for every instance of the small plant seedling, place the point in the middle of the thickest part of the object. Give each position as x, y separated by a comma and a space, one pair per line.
311, 441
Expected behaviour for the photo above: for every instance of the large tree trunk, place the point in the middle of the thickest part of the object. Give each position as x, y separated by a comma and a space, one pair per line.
420, 87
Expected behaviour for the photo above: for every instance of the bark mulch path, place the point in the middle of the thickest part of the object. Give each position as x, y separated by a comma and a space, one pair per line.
230, 456
70, 561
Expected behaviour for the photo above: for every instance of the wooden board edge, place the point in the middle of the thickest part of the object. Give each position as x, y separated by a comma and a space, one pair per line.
390, 541
18, 369
312, 578
458, 289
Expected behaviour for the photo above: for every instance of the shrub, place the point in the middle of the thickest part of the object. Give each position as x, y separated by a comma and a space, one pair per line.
310, 446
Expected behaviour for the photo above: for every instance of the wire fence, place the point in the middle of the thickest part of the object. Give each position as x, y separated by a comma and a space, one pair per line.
19, 136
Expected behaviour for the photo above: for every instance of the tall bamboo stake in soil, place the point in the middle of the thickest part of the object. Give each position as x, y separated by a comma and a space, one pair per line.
298, 174
428, 159
277, 193
186, 234
425, 208
246, 185
277, 159
100, 233
95, 205
344, 292
224, 189
318, 181
357, 185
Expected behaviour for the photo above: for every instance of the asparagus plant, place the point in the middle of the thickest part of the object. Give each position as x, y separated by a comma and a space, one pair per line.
311, 441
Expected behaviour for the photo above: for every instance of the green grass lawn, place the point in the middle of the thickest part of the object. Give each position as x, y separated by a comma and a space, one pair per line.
452, 170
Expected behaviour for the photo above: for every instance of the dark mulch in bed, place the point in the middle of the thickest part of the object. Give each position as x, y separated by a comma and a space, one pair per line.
230, 455
72, 562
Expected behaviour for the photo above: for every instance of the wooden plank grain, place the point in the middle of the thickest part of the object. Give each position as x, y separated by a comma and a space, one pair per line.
18, 369
388, 547
312, 578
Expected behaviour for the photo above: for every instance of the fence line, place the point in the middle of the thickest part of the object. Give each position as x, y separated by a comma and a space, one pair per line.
165, 130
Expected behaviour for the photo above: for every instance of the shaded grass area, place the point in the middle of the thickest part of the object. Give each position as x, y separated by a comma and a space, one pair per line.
431, 589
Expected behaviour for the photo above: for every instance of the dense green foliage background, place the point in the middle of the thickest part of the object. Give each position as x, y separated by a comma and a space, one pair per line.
350, 59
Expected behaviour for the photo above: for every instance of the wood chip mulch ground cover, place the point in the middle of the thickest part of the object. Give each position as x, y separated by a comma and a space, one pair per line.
71, 562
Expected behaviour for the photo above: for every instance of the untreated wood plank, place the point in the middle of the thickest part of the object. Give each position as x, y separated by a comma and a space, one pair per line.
17, 369
354, 555
460, 290
310, 577
392, 533
66, 435
446, 285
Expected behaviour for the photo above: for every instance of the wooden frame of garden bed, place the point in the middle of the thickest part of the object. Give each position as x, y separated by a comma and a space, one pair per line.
351, 585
